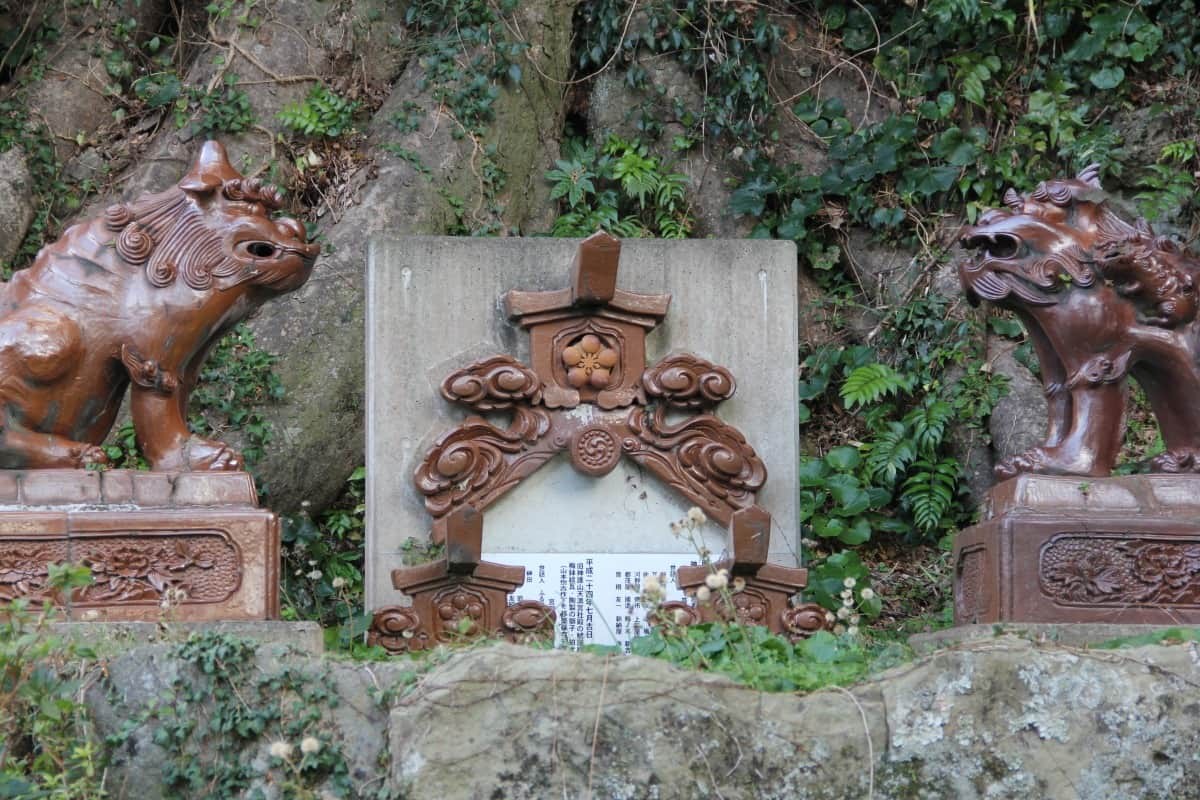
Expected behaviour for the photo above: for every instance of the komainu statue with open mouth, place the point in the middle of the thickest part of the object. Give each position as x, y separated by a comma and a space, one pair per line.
1102, 299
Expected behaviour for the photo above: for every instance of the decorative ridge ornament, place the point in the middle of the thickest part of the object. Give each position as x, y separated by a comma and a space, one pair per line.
587, 348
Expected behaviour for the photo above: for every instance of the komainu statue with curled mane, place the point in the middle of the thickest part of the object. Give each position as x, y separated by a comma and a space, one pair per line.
1102, 299
138, 297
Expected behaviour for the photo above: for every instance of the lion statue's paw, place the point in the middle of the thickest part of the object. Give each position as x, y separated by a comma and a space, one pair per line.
1029, 461
89, 455
207, 455
1181, 459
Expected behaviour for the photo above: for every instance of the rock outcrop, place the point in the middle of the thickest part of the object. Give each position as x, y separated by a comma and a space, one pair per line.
16, 202
1018, 421
996, 718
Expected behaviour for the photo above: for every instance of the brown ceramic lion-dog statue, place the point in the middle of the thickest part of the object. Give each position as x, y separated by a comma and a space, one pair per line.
139, 296
1102, 299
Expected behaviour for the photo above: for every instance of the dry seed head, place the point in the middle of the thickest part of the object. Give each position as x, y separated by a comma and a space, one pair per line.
716, 581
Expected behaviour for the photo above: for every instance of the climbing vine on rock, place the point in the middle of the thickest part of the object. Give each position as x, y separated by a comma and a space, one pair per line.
913, 116
232, 726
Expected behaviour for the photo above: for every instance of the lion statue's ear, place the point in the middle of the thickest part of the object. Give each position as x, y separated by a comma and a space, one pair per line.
1090, 175
210, 170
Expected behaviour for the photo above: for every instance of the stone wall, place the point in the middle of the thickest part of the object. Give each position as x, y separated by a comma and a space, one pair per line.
995, 718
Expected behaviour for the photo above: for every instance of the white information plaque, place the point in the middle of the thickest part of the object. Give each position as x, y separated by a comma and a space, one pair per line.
597, 596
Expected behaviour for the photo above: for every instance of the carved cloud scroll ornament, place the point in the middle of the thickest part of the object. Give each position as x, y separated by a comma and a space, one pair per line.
587, 348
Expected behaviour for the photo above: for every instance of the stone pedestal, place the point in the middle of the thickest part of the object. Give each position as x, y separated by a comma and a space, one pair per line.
1092, 550
183, 546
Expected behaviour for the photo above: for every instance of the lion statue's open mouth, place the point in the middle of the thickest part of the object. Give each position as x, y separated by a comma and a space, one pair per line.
1102, 299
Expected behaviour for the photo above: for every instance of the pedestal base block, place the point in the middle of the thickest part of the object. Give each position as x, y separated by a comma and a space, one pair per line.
188, 546
1068, 549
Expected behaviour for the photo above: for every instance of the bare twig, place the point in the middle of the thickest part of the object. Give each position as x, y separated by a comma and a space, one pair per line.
596, 726
870, 746
33, 13
234, 47
616, 51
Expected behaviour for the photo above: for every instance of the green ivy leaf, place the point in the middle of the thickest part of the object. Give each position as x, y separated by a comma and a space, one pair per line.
972, 87
843, 459
857, 533
750, 198
829, 528
835, 17
1108, 77
849, 496
812, 472
1004, 326
821, 647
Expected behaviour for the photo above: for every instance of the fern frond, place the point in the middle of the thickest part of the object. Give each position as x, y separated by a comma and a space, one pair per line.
637, 174
671, 190
889, 454
672, 227
928, 423
868, 383
629, 228
929, 492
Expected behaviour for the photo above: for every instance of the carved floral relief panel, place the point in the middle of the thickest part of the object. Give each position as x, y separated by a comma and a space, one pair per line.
131, 568
1121, 569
